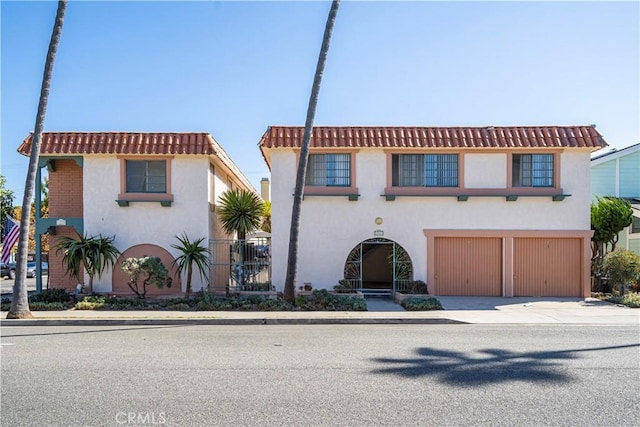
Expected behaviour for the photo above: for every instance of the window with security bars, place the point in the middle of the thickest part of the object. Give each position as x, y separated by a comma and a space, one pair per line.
532, 170
146, 176
424, 170
329, 170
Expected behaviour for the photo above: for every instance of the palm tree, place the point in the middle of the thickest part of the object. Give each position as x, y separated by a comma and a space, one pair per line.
192, 253
292, 260
240, 212
94, 253
266, 217
19, 302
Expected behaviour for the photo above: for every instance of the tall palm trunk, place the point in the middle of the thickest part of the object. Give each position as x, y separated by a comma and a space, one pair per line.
19, 303
292, 261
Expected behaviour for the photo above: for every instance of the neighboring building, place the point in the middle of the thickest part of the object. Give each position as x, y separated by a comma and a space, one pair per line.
495, 211
617, 173
142, 188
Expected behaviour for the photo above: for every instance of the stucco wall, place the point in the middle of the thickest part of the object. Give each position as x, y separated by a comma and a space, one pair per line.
331, 226
146, 222
476, 167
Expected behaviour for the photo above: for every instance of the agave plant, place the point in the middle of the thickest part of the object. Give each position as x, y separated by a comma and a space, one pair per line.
94, 253
193, 252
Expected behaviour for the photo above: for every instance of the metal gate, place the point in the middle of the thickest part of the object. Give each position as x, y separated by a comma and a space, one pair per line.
241, 265
397, 259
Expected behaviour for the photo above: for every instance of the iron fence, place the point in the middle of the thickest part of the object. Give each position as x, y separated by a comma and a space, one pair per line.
241, 265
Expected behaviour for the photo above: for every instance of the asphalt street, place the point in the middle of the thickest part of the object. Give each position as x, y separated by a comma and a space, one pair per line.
6, 284
356, 375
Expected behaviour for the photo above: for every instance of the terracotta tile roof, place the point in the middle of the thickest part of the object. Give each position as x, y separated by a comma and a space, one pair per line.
133, 143
435, 137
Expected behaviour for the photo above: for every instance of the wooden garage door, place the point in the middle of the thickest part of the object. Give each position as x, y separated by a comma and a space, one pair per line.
547, 267
468, 266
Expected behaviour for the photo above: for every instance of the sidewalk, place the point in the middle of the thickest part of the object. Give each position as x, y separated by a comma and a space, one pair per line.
457, 310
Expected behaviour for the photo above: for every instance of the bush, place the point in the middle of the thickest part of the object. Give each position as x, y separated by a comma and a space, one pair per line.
622, 267
417, 287
346, 286
51, 295
47, 306
421, 304
322, 300
632, 299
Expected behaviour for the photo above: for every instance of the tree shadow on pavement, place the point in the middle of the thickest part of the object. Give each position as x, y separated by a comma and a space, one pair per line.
489, 366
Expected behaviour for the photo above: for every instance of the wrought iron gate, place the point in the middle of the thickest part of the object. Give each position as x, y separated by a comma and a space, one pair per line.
241, 265
398, 258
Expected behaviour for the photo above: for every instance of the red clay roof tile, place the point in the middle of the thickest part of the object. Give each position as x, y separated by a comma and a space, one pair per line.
434, 137
133, 143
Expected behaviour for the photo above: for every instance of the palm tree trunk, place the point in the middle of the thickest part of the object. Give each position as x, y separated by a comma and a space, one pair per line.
189, 276
292, 261
19, 302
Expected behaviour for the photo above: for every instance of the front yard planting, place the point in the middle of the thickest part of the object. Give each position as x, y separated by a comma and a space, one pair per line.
321, 300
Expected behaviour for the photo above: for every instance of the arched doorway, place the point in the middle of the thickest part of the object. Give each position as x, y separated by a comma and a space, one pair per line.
378, 266
119, 279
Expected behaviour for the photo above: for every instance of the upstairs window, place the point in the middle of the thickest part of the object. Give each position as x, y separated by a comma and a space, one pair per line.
533, 170
146, 176
329, 170
425, 170
635, 225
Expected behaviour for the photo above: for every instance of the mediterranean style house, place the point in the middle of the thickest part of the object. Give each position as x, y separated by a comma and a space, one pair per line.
492, 211
617, 173
142, 188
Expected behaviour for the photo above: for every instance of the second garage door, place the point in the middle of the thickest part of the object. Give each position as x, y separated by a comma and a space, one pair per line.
547, 267
468, 266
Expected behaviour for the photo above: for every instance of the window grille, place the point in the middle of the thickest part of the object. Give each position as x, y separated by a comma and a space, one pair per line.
425, 170
533, 170
329, 170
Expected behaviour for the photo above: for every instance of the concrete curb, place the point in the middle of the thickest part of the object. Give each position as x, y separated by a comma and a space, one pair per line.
222, 321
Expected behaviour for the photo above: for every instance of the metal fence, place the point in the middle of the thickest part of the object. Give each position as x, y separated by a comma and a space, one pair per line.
241, 265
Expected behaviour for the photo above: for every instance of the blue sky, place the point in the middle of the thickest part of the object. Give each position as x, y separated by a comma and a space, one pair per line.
234, 68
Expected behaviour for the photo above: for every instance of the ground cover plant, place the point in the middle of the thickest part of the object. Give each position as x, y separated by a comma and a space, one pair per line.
320, 300
421, 304
47, 300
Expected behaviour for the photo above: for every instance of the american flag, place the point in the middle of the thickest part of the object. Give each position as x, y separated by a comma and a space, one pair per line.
12, 230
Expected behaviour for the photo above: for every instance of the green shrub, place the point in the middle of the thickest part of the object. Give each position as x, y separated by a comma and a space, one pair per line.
632, 299
622, 267
274, 304
345, 286
421, 304
47, 306
51, 295
417, 287
322, 300
89, 305
178, 307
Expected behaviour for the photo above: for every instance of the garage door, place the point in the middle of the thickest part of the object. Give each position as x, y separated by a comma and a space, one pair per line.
547, 267
468, 266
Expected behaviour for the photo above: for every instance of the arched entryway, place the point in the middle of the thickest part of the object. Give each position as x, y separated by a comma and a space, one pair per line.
378, 266
119, 279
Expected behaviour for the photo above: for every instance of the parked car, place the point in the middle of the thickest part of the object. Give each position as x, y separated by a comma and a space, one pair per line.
31, 269
8, 270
